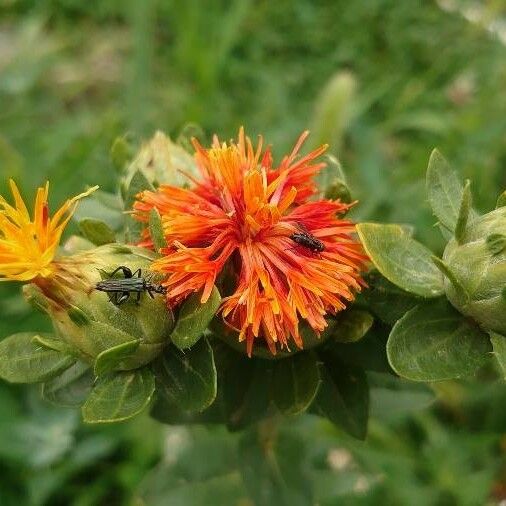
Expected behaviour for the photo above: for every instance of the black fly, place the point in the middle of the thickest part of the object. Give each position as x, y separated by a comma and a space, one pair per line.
119, 290
307, 240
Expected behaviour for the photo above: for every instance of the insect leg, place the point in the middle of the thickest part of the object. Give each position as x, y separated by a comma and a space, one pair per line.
138, 297
123, 297
137, 273
126, 271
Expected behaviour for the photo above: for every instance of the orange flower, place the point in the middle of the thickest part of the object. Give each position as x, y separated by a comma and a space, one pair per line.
28, 245
245, 210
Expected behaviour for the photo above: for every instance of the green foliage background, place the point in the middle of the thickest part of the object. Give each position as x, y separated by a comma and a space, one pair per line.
75, 74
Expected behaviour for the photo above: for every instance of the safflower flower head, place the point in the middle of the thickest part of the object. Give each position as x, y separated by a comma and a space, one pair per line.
243, 212
28, 245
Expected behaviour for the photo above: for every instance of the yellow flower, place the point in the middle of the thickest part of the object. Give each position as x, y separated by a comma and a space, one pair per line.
28, 246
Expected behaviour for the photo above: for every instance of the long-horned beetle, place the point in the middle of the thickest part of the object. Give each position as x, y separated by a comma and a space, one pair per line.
119, 290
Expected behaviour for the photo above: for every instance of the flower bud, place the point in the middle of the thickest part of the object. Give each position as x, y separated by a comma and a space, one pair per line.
162, 161
91, 324
475, 268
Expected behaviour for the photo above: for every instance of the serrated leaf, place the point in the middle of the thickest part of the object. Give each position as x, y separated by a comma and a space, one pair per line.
156, 229
402, 260
24, 361
109, 359
444, 190
499, 347
433, 342
96, 231
119, 396
193, 319
295, 382
187, 378
352, 325
343, 396
71, 388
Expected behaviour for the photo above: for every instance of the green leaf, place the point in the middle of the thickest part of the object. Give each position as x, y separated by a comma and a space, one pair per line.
96, 231
104, 337
392, 396
464, 210
78, 316
310, 339
109, 359
434, 342
71, 388
499, 347
23, 360
104, 207
119, 396
193, 319
243, 386
402, 260
156, 229
51, 342
274, 467
138, 183
369, 353
121, 152
343, 397
387, 301
187, 378
444, 190
352, 325
295, 381
448, 272
333, 180
166, 411
224, 489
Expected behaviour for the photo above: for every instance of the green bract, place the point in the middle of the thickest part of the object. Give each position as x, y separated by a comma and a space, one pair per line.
161, 160
477, 271
110, 337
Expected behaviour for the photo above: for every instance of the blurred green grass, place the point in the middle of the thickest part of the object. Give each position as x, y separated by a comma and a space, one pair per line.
75, 74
